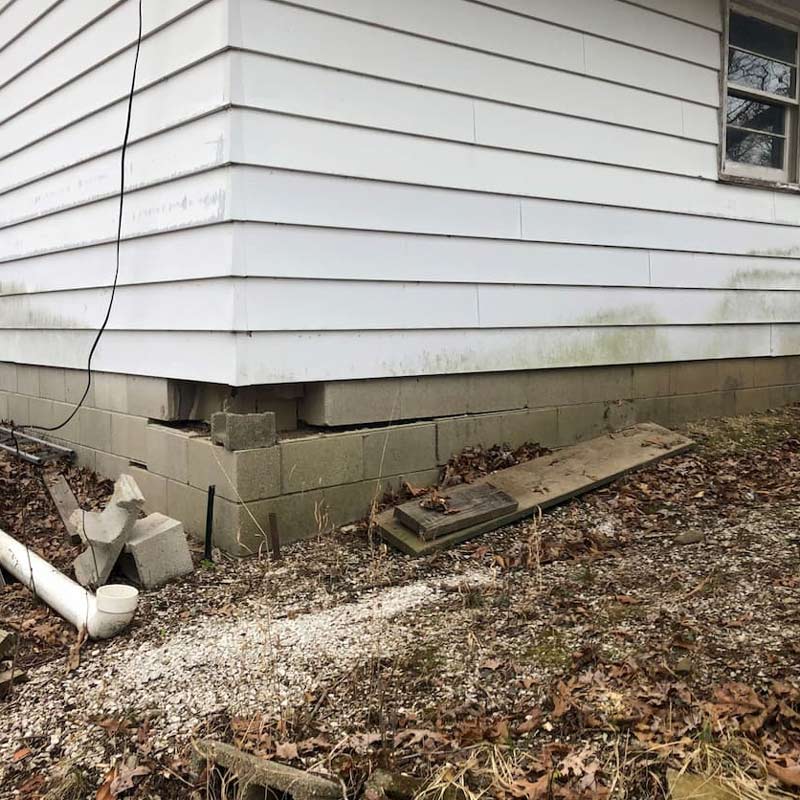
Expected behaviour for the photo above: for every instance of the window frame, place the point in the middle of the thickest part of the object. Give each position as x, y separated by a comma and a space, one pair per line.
734, 171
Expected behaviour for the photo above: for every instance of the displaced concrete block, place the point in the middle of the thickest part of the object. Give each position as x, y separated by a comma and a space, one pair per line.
255, 474
156, 398
106, 532
243, 431
168, 452
156, 551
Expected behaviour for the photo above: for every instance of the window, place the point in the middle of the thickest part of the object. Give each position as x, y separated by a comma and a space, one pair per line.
761, 109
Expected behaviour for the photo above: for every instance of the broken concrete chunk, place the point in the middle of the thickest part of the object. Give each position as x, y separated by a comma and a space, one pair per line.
689, 537
156, 551
243, 431
106, 532
256, 775
8, 645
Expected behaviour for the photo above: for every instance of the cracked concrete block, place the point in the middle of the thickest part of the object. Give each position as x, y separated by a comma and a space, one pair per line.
156, 551
106, 532
313, 462
255, 474
244, 431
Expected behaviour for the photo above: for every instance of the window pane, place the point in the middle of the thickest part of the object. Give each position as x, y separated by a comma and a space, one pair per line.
746, 113
759, 149
762, 37
761, 73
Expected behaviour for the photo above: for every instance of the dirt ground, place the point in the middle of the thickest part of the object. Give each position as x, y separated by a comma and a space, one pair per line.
653, 625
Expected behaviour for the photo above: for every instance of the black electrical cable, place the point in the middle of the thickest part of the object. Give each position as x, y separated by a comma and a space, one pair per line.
102, 329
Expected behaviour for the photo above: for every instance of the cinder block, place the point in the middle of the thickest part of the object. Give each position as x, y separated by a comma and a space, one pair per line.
8, 376
3, 406
776, 371
335, 403
709, 405
694, 378
158, 551
243, 431
168, 452
155, 398
650, 380
52, 384
110, 391
187, 504
653, 409
317, 461
299, 516
736, 373
513, 428
84, 456
19, 408
110, 466
95, 429
497, 391
129, 437
401, 448
578, 423
75, 385
40, 412
71, 431
432, 396
28, 380
153, 487
746, 401
255, 474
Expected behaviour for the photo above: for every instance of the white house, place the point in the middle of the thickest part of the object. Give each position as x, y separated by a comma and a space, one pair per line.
405, 227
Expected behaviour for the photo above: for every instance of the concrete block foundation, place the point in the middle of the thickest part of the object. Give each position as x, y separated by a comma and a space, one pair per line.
342, 444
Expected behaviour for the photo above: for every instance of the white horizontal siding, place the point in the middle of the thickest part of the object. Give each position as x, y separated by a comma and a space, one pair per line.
186, 95
198, 145
309, 36
111, 33
620, 22
310, 199
17, 15
271, 304
186, 202
317, 92
500, 33
189, 39
175, 256
701, 12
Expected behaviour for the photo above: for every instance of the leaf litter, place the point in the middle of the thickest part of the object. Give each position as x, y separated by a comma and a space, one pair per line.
582, 654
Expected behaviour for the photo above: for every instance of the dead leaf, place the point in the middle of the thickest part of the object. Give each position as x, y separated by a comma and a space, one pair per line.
21, 754
126, 779
74, 657
790, 776
287, 751
104, 792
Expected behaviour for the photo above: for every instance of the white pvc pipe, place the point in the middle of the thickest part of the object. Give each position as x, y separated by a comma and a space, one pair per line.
102, 615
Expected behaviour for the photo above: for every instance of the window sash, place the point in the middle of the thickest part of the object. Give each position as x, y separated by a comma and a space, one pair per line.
788, 172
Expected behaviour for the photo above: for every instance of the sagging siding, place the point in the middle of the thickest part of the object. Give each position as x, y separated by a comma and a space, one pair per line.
377, 188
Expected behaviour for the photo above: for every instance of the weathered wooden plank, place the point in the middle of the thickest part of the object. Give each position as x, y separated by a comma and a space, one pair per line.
466, 506
65, 503
552, 479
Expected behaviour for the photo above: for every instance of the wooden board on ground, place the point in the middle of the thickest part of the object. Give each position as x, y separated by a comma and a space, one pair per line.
552, 479
466, 505
65, 502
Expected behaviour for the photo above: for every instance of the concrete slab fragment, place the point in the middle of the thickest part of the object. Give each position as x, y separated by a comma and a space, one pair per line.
156, 551
106, 532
